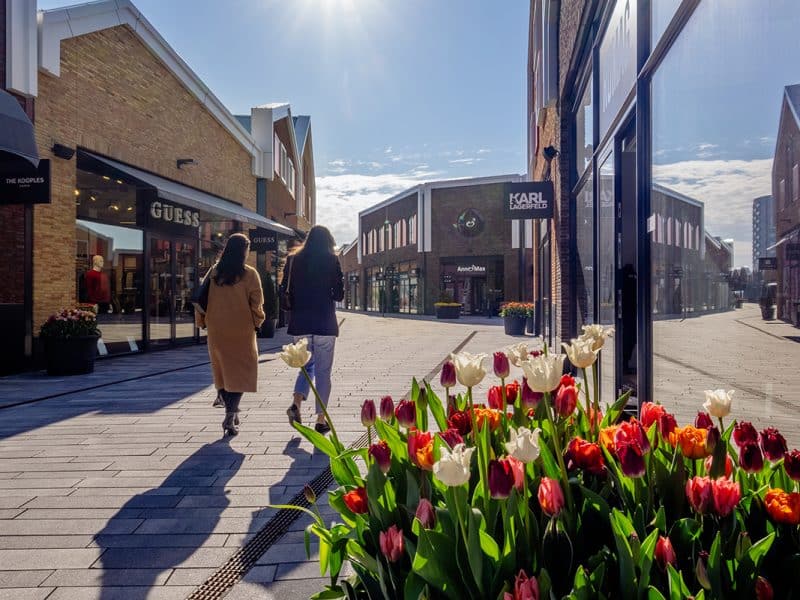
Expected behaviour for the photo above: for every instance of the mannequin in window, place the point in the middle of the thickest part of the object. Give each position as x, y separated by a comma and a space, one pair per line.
98, 289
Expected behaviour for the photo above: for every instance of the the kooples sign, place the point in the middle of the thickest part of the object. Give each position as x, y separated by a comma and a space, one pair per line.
529, 200
21, 183
170, 213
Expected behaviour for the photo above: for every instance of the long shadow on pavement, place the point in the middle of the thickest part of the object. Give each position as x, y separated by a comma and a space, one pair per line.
163, 544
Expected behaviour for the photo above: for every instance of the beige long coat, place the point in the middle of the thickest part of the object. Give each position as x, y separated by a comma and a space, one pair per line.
234, 312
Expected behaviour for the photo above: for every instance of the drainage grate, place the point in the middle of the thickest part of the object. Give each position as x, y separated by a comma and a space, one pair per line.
242, 561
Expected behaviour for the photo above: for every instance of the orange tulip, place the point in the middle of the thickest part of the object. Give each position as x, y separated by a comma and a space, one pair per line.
783, 507
420, 449
692, 441
607, 435
487, 415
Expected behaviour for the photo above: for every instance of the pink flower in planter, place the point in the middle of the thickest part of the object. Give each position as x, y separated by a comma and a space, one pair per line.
406, 413
726, 494
382, 455
501, 365
728, 466
368, 413
703, 420
745, 433
501, 478
448, 376
791, 464
773, 444
426, 514
750, 458
665, 553
530, 399
550, 497
387, 408
525, 588
392, 543
699, 492
451, 437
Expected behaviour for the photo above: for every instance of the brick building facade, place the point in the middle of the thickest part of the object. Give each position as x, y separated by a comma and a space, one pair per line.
160, 174
442, 240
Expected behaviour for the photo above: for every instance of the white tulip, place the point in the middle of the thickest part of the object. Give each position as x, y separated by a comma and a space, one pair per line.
296, 355
543, 372
597, 334
452, 468
523, 444
517, 353
580, 352
718, 403
469, 368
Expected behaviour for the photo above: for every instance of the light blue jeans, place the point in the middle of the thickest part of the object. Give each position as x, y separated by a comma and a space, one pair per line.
319, 368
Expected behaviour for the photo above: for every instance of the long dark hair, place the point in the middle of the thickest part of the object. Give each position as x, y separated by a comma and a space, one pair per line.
230, 267
319, 245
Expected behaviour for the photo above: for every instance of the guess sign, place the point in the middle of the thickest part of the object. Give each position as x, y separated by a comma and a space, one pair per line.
161, 211
529, 200
263, 240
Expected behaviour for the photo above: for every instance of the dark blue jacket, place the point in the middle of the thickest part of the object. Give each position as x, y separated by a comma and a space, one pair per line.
315, 285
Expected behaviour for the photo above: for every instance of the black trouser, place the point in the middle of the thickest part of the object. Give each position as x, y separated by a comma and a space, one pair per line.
231, 400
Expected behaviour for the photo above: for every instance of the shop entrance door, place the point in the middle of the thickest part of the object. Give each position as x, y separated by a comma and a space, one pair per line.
479, 305
172, 279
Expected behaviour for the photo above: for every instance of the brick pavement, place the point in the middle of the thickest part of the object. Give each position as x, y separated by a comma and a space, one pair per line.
128, 491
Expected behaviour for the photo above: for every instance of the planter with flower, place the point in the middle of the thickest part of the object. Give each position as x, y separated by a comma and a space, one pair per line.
447, 308
539, 492
70, 341
515, 316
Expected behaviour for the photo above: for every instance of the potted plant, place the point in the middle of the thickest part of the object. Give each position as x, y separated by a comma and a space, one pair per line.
515, 315
767, 301
270, 306
70, 341
447, 308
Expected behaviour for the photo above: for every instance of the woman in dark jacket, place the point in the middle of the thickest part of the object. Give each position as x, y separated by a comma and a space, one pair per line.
315, 284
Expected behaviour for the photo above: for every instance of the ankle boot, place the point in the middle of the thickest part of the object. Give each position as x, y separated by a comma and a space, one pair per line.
229, 424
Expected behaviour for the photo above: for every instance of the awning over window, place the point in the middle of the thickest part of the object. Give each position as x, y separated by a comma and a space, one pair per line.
177, 192
787, 238
16, 130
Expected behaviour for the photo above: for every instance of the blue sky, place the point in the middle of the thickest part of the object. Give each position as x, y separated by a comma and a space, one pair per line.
399, 91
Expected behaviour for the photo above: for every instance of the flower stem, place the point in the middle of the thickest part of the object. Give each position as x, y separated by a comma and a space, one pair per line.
559, 452
588, 404
334, 436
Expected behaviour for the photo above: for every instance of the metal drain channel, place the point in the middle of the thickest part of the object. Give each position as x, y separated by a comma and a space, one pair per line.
242, 561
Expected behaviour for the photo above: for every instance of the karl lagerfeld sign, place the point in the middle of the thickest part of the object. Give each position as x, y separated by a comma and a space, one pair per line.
528, 200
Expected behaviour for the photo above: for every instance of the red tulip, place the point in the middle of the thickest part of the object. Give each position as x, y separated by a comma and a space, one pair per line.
530, 399
387, 408
665, 553
426, 514
495, 397
501, 479
703, 420
763, 589
382, 455
667, 425
392, 543
632, 432
451, 437
406, 413
501, 366
750, 458
728, 466
650, 413
566, 400
460, 421
726, 494
356, 500
550, 496
368, 413
699, 493
525, 588
791, 464
631, 458
744, 433
512, 391
773, 444
586, 456
448, 375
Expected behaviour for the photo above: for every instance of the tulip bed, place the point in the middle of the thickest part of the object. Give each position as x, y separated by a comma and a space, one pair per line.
539, 492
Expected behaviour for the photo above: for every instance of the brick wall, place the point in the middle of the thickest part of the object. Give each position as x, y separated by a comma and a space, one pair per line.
403, 208
115, 98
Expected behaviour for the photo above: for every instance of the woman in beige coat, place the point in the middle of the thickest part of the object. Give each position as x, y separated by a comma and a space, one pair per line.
234, 314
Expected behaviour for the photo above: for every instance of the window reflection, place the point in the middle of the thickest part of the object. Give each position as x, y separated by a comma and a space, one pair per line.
584, 130
584, 218
606, 270
719, 115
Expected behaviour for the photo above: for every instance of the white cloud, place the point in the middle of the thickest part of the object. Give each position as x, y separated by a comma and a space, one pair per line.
483, 151
727, 189
340, 197
464, 161
388, 150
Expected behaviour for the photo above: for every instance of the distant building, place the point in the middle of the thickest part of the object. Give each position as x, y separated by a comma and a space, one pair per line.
763, 229
786, 191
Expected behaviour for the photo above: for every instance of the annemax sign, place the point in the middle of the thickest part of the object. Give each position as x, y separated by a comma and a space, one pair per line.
170, 213
528, 200
470, 269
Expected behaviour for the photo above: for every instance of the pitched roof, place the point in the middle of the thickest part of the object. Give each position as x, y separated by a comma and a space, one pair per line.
302, 124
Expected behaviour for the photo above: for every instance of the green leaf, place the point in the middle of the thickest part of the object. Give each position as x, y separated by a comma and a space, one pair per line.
622, 529
646, 561
357, 554
489, 546
718, 460
324, 555
677, 587
392, 438
320, 441
759, 550
342, 473
474, 552
329, 593
615, 410
437, 409
654, 594
435, 562
715, 567
549, 465
414, 588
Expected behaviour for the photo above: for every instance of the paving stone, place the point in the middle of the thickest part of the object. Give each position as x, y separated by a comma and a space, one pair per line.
137, 540
39, 593
14, 560
146, 558
45, 541
261, 574
106, 577
22, 579
165, 592
58, 527
193, 577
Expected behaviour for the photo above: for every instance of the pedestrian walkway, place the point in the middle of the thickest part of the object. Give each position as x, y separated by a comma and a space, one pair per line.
127, 490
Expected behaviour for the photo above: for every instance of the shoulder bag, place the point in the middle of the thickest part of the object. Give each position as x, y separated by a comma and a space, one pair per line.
285, 297
200, 295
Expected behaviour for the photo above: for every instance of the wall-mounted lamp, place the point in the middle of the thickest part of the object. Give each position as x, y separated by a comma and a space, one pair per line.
186, 162
550, 152
62, 151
